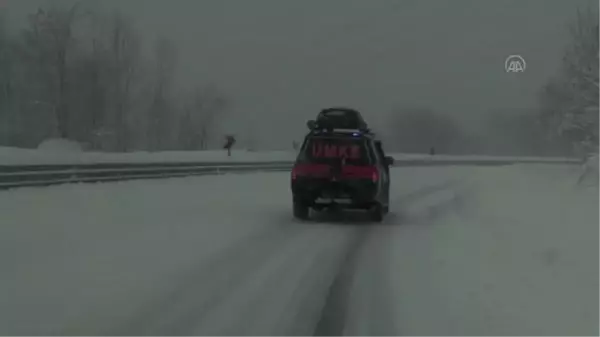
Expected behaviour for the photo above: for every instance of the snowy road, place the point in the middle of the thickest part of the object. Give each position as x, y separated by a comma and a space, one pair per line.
475, 251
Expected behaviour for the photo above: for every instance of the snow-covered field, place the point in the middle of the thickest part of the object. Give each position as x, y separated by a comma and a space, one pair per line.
60, 151
519, 257
442, 157
63, 152
15, 156
467, 250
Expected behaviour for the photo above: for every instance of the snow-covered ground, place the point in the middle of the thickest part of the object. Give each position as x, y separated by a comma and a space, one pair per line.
15, 156
589, 170
519, 257
61, 151
60, 145
443, 157
58, 151
467, 250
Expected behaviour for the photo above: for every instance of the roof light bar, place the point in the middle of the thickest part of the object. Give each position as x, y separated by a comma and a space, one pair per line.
354, 132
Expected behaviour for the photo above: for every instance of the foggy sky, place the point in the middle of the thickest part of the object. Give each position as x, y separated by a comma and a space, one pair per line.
282, 60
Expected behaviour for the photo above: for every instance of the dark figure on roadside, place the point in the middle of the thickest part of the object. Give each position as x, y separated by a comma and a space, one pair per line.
229, 141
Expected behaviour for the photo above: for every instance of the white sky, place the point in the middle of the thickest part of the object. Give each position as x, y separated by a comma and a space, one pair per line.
283, 60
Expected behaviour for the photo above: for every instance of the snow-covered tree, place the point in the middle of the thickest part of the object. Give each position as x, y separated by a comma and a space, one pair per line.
569, 102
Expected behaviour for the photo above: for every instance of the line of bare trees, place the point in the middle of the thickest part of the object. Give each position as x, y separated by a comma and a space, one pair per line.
569, 101
507, 132
419, 130
82, 75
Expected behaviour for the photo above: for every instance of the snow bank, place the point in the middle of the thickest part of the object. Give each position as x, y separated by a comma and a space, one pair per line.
62, 151
8, 152
63, 155
60, 145
90, 254
589, 170
443, 157
519, 257
59, 151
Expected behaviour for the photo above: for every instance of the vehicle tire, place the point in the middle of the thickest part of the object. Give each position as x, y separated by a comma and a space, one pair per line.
301, 210
386, 209
377, 213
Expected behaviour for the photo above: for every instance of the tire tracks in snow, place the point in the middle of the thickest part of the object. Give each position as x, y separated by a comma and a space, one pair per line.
289, 292
335, 311
448, 196
206, 285
324, 310
274, 284
338, 314
366, 255
371, 312
424, 191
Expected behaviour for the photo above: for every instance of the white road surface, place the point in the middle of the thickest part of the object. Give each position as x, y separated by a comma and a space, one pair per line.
465, 251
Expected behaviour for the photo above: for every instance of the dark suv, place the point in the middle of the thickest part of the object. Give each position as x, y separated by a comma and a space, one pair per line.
341, 169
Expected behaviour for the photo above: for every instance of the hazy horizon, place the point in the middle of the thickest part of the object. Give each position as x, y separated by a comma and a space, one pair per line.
281, 61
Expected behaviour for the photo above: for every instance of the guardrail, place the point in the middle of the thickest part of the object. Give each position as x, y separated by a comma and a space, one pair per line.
12, 176
44, 175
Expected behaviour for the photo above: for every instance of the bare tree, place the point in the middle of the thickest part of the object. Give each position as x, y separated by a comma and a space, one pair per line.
104, 70
118, 62
205, 105
52, 31
161, 109
90, 67
6, 84
82, 76
124, 59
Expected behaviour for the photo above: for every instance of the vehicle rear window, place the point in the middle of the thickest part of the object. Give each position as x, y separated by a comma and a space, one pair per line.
333, 149
335, 113
342, 119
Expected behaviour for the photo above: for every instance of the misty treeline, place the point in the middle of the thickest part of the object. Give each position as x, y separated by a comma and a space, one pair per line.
516, 132
569, 101
417, 130
87, 76
565, 123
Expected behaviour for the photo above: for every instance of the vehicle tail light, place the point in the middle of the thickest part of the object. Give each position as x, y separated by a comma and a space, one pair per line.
303, 170
361, 172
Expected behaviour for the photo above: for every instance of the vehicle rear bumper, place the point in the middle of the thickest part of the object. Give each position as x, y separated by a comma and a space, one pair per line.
352, 192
